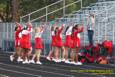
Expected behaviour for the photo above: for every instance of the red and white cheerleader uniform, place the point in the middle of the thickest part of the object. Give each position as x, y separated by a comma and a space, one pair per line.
68, 40
109, 46
59, 42
25, 40
17, 38
38, 40
18, 29
76, 38
53, 43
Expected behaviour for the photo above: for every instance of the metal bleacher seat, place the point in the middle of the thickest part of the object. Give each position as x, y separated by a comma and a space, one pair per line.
102, 9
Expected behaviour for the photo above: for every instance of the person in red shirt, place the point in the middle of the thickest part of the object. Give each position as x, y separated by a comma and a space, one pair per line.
53, 43
25, 43
18, 29
68, 42
75, 44
109, 47
59, 43
38, 45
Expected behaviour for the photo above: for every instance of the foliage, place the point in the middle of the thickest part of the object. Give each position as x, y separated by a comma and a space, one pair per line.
9, 13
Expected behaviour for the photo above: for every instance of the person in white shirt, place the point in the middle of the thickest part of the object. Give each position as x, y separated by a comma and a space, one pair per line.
90, 28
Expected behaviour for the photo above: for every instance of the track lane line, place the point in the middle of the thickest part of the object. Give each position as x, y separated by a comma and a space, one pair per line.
38, 70
19, 72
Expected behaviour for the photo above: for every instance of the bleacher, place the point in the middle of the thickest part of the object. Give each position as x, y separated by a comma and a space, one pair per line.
104, 13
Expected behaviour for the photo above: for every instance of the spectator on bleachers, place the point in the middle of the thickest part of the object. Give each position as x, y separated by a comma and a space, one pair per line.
90, 28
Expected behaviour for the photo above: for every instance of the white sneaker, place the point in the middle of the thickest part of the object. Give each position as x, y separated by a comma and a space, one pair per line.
48, 58
57, 60
11, 58
53, 59
19, 59
72, 62
38, 62
78, 63
63, 60
67, 61
25, 62
79, 54
32, 61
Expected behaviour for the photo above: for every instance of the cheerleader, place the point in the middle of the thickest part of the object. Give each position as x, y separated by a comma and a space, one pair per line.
25, 42
53, 43
59, 43
38, 45
29, 28
68, 42
75, 44
18, 29
107, 44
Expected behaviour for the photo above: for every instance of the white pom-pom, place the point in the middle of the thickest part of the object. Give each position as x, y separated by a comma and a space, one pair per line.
20, 35
63, 25
78, 35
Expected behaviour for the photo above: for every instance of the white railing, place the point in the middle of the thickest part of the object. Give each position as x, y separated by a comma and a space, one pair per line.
28, 16
46, 9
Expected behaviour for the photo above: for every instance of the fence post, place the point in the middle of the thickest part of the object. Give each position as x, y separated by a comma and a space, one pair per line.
81, 4
20, 19
28, 17
106, 23
46, 14
63, 7
113, 33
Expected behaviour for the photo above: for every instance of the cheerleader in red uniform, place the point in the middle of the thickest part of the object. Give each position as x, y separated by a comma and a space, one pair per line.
38, 45
25, 42
29, 28
108, 46
75, 44
59, 43
68, 42
53, 43
18, 29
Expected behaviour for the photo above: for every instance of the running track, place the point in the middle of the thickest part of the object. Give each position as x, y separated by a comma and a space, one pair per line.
50, 69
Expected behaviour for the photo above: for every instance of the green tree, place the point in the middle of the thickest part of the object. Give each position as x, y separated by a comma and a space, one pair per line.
11, 10
2, 10
15, 10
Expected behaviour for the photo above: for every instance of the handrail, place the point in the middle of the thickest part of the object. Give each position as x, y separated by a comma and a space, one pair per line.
56, 10
73, 3
46, 10
47, 14
41, 8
